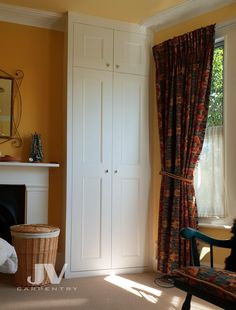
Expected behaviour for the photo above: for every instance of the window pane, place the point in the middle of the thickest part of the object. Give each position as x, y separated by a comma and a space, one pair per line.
215, 113
209, 174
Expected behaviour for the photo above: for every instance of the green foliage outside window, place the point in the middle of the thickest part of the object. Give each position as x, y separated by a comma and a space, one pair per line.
215, 113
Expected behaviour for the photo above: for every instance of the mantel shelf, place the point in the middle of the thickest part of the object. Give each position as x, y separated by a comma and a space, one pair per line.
22, 164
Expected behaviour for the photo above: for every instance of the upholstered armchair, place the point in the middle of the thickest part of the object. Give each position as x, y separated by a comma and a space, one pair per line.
217, 286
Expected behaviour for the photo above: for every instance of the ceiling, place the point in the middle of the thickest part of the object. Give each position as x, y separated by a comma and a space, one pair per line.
127, 10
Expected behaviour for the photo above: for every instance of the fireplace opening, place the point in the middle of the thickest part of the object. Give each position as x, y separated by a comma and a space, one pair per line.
12, 208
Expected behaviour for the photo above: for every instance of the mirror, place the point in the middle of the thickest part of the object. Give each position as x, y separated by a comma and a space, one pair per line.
6, 107
10, 107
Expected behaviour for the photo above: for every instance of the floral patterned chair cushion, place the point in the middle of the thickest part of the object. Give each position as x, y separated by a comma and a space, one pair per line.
218, 282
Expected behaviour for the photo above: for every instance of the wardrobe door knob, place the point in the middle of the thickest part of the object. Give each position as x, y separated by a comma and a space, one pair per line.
117, 66
115, 171
108, 65
106, 171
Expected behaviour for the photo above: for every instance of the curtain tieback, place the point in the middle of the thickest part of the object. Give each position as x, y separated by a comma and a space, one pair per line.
176, 177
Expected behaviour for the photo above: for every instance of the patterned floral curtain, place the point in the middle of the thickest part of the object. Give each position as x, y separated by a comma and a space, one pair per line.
183, 76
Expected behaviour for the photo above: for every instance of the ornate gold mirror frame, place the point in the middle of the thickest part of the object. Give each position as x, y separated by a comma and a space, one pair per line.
10, 107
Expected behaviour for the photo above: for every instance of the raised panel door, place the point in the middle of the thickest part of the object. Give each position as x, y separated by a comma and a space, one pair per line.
131, 53
130, 172
93, 47
91, 193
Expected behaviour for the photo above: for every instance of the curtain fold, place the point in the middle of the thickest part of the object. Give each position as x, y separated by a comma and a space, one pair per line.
183, 76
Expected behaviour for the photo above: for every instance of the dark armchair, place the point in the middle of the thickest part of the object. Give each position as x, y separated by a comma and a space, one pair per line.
216, 286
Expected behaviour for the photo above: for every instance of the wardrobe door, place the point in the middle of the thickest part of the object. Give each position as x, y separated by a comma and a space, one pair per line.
130, 172
131, 53
93, 47
91, 192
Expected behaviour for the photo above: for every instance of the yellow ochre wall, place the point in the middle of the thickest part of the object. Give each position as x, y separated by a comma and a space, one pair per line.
39, 53
217, 16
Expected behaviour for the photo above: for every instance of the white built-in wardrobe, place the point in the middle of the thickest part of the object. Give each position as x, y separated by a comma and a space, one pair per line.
107, 220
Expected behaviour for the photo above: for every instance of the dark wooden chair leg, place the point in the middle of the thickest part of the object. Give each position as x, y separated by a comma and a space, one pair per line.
187, 302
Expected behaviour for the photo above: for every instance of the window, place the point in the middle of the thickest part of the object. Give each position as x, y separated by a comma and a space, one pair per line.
209, 180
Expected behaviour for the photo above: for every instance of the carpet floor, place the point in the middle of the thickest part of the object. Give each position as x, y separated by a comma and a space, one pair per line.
115, 292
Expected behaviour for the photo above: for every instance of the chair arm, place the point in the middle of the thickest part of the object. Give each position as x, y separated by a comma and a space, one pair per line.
190, 233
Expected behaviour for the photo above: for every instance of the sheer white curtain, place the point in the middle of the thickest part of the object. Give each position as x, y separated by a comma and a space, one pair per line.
209, 175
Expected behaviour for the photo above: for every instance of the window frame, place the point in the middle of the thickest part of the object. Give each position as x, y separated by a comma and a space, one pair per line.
226, 222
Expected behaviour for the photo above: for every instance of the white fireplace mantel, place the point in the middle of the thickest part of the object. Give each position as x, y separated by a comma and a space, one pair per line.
21, 164
35, 177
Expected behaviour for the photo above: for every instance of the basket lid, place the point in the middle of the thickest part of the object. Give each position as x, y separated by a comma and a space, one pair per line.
33, 228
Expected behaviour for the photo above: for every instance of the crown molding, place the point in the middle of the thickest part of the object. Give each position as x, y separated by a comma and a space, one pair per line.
32, 17
185, 11
226, 25
223, 28
75, 17
57, 21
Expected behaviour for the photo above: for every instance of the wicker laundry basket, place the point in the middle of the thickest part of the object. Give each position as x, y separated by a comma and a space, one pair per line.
34, 244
